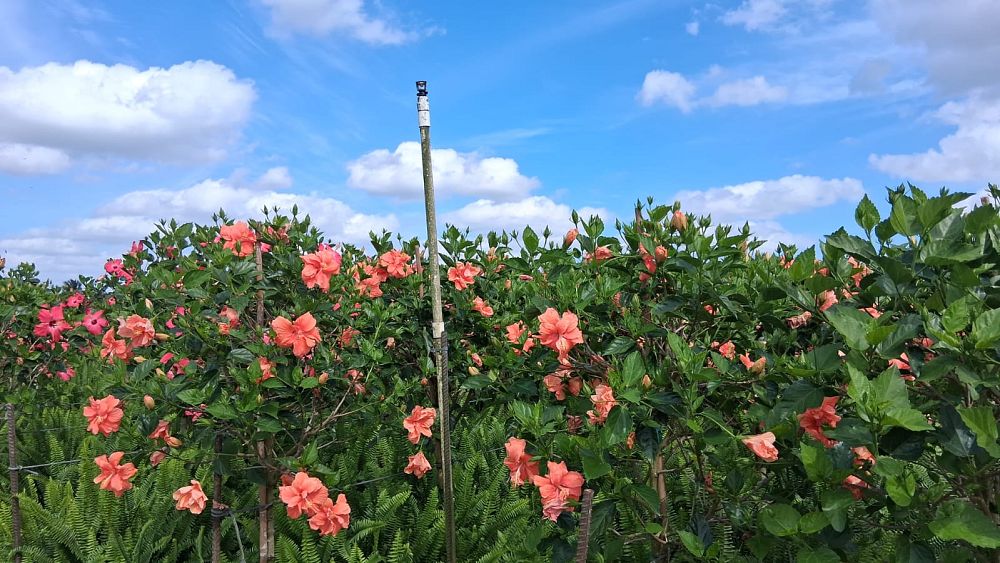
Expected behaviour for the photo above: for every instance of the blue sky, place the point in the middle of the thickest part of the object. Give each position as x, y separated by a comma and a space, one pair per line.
783, 113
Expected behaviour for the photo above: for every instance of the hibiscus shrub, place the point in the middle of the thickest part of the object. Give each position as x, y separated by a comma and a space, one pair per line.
838, 403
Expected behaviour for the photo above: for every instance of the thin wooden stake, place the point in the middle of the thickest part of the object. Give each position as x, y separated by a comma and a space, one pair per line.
15, 504
583, 537
439, 337
217, 505
265, 495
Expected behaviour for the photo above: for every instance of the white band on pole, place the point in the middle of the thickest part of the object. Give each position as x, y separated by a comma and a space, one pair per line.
423, 112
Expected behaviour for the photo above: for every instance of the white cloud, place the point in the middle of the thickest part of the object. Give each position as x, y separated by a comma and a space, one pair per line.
765, 200
28, 160
669, 88
970, 154
960, 42
747, 92
81, 246
399, 174
537, 211
692, 27
186, 113
325, 17
673, 89
277, 178
755, 14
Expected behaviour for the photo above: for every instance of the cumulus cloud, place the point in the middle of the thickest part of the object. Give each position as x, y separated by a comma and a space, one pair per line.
765, 200
29, 160
81, 246
668, 88
277, 178
755, 14
747, 92
692, 27
326, 17
970, 154
399, 174
537, 211
959, 40
673, 89
188, 113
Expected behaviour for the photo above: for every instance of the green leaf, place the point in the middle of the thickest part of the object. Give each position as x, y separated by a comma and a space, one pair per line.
852, 324
852, 244
904, 216
619, 345
983, 422
633, 370
241, 355
817, 555
191, 396
269, 425
816, 461
692, 543
813, 522
618, 426
594, 465
851, 431
954, 436
902, 488
956, 317
780, 520
835, 503
908, 418
986, 329
222, 411
909, 552
309, 382
959, 520
866, 214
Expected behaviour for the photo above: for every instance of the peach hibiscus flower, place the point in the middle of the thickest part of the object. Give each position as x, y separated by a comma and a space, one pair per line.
559, 332
813, 420
304, 495
300, 335
114, 477
557, 487
331, 517
104, 416
419, 423
762, 445
463, 274
239, 238
418, 465
522, 469
191, 498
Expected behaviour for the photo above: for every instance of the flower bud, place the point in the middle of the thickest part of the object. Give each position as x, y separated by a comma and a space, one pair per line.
647, 382
149, 304
473, 370
173, 442
149, 402
139, 359
570, 237
323, 378
679, 221
162, 336
660, 253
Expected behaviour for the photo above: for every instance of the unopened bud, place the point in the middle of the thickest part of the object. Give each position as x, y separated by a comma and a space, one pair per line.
473, 370
149, 304
139, 359
679, 221
570, 237
323, 378
162, 336
647, 382
149, 402
424, 381
661, 253
173, 442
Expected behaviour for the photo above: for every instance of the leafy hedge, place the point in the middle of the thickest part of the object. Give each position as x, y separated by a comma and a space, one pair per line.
838, 403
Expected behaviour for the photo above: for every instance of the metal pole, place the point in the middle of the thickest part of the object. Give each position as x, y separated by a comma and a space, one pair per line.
15, 503
437, 326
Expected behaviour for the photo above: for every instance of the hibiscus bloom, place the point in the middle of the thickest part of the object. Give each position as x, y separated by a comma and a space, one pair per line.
826, 300
318, 267
799, 321
191, 498
522, 469
862, 456
813, 420
112, 347
728, 350
301, 335
463, 274
419, 423
554, 383
396, 263
67, 374
332, 517
755, 367
136, 329
558, 486
304, 495
570, 237
855, 485
51, 323
266, 369
75, 300
480, 306
94, 321
418, 465
902, 363
239, 238
763, 446
104, 416
604, 400
515, 331
559, 332
114, 477
600, 254
161, 432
